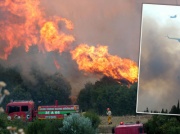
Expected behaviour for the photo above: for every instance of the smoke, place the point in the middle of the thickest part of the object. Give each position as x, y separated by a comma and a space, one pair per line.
108, 23
159, 66
115, 24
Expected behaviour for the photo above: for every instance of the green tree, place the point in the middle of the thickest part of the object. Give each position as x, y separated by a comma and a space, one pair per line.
49, 88
20, 93
147, 110
173, 110
162, 111
45, 88
94, 118
105, 93
12, 78
85, 97
178, 110
160, 124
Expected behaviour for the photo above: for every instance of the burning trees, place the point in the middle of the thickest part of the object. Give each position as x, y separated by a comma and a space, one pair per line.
97, 60
55, 38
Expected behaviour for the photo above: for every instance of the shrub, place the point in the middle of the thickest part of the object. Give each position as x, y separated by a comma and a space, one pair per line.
44, 127
94, 119
4, 123
76, 124
160, 124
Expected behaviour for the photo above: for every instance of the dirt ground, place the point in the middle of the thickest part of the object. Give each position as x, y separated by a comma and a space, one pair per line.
126, 119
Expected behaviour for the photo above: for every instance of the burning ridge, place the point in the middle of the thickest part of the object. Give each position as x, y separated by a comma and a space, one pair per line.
24, 23
98, 60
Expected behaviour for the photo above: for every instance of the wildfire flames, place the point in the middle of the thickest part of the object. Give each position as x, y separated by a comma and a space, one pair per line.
52, 39
56, 64
98, 60
24, 23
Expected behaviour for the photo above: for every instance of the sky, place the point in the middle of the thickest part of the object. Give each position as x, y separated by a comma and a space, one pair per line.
159, 72
116, 24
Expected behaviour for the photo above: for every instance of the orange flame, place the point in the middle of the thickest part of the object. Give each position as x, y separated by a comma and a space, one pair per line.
56, 64
98, 60
24, 24
52, 39
73, 99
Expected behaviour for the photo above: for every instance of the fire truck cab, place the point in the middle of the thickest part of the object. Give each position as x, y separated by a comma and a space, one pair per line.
21, 110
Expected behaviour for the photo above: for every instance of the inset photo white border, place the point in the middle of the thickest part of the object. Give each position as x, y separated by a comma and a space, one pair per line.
159, 66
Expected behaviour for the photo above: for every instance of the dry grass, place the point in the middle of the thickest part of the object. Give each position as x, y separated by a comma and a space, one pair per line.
126, 119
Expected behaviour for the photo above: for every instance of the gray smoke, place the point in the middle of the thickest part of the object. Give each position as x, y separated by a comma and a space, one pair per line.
159, 67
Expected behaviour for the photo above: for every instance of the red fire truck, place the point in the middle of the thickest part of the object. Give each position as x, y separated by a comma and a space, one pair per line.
129, 129
26, 110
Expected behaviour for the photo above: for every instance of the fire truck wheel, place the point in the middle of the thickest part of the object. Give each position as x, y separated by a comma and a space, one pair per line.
9, 117
27, 116
17, 117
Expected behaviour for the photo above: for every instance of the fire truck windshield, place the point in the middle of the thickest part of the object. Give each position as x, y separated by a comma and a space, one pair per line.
12, 109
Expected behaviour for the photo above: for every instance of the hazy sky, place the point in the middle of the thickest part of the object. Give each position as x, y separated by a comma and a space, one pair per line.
159, 75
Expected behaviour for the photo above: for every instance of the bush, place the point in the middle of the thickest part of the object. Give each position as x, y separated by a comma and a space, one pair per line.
94, 119
44, 127
4, 123
171, 126
76, 124
160, 124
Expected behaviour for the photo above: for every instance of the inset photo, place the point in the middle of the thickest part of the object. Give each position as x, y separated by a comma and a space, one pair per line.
159, 60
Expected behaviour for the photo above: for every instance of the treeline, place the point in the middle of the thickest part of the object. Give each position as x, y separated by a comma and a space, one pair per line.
175, 109
105, 93
43, 89
163, 124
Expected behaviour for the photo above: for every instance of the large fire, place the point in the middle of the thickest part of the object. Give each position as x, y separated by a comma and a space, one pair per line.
98, 60
52, 39
23, 23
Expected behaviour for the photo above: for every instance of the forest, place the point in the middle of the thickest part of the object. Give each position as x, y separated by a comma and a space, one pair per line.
45, 88
121, 99
94, 97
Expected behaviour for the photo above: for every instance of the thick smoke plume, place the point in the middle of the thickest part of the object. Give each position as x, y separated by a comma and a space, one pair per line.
159, 66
